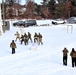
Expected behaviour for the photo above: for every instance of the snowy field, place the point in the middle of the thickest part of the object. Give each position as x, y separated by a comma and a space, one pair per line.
36, 59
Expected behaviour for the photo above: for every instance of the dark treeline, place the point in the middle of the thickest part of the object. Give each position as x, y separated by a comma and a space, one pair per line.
47, 9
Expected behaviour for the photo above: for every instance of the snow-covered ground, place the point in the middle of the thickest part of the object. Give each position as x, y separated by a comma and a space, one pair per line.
36, 59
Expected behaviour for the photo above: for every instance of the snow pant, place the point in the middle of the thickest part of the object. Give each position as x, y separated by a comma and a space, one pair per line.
73, 62
30, 39
17, 38
35, 39
64, 60
39, 41
26, 41
22, 41
13, 50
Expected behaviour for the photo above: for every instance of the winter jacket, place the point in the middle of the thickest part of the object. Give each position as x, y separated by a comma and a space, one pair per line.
29, 35
22, 37
17, 34
73, 54
35, 36
40, 36
13, 45
65, 51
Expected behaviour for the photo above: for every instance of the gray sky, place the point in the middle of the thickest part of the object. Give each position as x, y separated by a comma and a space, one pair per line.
37, 1
23, 1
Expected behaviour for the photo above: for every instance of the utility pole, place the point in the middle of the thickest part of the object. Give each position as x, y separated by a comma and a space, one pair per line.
3, 16
0, 21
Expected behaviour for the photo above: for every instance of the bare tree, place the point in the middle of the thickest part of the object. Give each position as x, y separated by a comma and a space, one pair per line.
12, 1
68, 8
18, 1
30, 8
27, 1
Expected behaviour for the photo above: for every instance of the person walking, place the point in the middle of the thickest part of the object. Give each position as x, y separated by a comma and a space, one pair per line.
40, 39
17, 36
35, 37
65, 55
22, 39
73, 57
25, 39
29, 36
13, 46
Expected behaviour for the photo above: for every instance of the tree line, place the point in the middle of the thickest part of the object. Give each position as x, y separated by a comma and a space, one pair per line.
47, 9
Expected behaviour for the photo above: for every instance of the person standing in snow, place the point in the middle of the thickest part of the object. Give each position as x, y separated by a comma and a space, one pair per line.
25, 39
73, 57
13, 46
40, 39
65, 55
17, 36
35, 37
29, 36
22, 39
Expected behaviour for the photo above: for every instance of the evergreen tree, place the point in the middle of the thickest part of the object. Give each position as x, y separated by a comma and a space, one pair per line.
38, 10
10, 2
51, 6
60, 10
73, 2
44, 2
60, 1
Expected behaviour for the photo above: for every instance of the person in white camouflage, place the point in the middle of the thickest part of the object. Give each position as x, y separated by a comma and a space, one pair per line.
17, 36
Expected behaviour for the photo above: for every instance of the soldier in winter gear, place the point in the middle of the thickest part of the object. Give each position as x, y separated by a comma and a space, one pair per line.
73, 56
17, 36
35, 37
65, 54
25, 39
29, 36
13, 46
39, 39
22, 39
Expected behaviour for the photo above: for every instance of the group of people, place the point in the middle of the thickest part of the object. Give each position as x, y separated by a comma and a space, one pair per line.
25, 38
38, 39
72, 54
